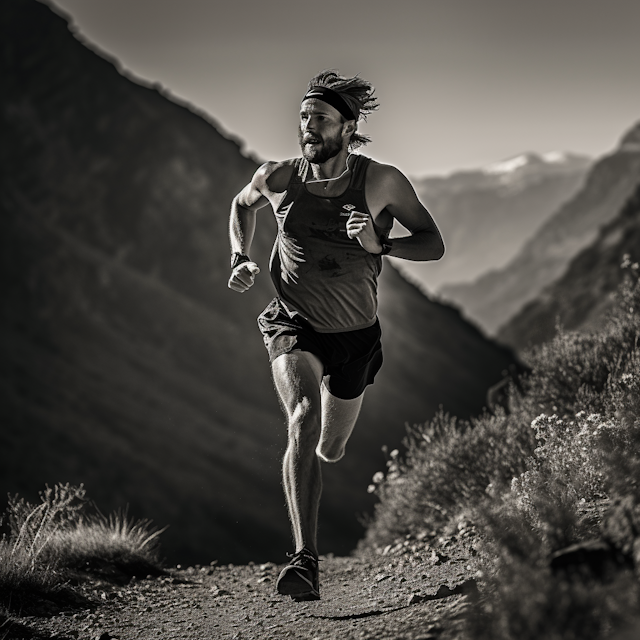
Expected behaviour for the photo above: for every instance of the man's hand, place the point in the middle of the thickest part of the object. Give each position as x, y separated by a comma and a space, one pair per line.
243, 276
360, 226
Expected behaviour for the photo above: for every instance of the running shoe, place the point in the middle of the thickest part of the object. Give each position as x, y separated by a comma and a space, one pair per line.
299, 579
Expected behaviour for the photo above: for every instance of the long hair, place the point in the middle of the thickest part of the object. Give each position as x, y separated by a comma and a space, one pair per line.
356, 92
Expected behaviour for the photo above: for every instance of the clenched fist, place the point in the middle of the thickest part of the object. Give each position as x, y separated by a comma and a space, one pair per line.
243, 276
360, 226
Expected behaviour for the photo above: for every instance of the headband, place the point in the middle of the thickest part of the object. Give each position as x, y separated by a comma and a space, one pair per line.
332, 98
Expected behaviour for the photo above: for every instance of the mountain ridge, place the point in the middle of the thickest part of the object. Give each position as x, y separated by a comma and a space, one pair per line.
486, 216
497, 296
582, 296
128, 365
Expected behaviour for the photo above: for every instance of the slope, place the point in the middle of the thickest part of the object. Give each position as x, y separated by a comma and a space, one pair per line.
127, 364
580, 298
497, 296
488, 214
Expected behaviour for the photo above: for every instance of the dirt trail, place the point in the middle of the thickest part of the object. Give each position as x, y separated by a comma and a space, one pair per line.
383, 597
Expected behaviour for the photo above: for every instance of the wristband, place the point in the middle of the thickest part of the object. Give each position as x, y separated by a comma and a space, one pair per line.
238, 258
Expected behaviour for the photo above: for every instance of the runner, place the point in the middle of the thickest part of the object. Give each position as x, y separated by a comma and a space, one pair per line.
334, 210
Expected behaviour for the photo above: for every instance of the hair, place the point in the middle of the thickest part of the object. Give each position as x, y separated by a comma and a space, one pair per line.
356, 92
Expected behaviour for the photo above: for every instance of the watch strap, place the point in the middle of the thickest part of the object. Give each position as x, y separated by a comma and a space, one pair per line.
238, 258
387, 245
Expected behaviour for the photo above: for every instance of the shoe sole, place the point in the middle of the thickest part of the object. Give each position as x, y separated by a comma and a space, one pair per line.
309, 596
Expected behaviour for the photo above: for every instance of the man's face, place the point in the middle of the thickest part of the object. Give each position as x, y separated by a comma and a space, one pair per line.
320, 131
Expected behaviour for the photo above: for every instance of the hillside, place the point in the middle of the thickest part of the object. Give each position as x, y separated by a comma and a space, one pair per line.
487, 215
127, 363
580, 298
493, 299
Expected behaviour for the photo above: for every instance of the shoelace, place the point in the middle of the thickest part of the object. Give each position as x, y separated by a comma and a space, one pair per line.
303, 554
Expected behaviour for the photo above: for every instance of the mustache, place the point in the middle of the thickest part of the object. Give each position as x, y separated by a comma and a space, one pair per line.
306, 138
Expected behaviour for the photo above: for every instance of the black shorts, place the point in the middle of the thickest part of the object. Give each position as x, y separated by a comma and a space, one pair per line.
351, 359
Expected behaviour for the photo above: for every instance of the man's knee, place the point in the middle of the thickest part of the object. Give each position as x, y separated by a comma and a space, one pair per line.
331, 453
305, 415
305, 424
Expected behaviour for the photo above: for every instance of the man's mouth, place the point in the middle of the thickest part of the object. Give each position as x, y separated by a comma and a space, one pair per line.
311, 140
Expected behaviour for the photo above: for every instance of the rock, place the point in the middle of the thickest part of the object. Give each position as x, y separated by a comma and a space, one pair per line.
595, 558
444, 592
467, 588
438, 558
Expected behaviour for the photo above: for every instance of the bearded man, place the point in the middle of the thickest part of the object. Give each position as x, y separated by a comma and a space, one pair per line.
334, 211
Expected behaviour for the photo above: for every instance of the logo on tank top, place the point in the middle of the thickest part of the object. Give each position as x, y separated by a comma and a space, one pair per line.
348, 210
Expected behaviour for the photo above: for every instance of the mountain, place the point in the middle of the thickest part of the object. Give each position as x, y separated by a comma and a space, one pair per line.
127, 363
487, 215
494, 298
579, 299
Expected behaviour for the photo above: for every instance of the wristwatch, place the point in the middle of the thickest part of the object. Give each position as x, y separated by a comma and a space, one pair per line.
387, 245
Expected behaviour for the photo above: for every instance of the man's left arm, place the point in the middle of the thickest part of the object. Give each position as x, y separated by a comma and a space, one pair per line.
389, 190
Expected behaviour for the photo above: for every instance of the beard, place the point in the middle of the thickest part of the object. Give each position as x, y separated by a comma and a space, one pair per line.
329, 147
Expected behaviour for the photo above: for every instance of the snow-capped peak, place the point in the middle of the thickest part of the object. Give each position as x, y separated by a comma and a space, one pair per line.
534, 163
555, 157
512, 164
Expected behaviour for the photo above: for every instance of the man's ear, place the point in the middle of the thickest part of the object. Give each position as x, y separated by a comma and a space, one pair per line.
349, 128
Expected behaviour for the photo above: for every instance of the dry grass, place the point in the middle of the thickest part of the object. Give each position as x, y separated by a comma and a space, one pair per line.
48, 540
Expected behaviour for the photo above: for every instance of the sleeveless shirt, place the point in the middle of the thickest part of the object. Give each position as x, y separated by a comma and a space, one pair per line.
317, 270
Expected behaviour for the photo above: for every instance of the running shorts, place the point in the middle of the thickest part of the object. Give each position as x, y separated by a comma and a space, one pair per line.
351, 359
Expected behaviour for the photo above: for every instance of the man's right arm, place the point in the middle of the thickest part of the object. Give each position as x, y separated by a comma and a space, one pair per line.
242, 224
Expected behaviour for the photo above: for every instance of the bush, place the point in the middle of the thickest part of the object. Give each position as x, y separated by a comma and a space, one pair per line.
450, 466
538, 479
47, 540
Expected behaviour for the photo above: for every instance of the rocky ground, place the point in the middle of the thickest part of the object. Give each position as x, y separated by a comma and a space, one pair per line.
411, 591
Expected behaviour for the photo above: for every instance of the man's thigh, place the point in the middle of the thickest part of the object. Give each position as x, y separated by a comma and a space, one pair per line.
339, 414
297, 376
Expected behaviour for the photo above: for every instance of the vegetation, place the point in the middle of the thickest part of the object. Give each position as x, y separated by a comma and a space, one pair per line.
48, 542
559, 468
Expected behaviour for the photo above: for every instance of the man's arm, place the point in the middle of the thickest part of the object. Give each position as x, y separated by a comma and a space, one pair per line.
242, 225
388, 191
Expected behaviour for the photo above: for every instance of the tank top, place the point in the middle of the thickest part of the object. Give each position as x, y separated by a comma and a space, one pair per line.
317, 270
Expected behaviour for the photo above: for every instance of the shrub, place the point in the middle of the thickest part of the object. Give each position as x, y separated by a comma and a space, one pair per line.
539, 480
115, 541
24, 563
450, 466
46, 540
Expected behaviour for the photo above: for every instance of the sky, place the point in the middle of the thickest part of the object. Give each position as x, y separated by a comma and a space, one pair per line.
461, 83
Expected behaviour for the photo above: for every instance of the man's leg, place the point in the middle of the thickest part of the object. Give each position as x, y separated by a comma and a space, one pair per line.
338, 419
297, 377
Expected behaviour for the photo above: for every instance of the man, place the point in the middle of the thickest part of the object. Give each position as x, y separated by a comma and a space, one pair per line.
334, 211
